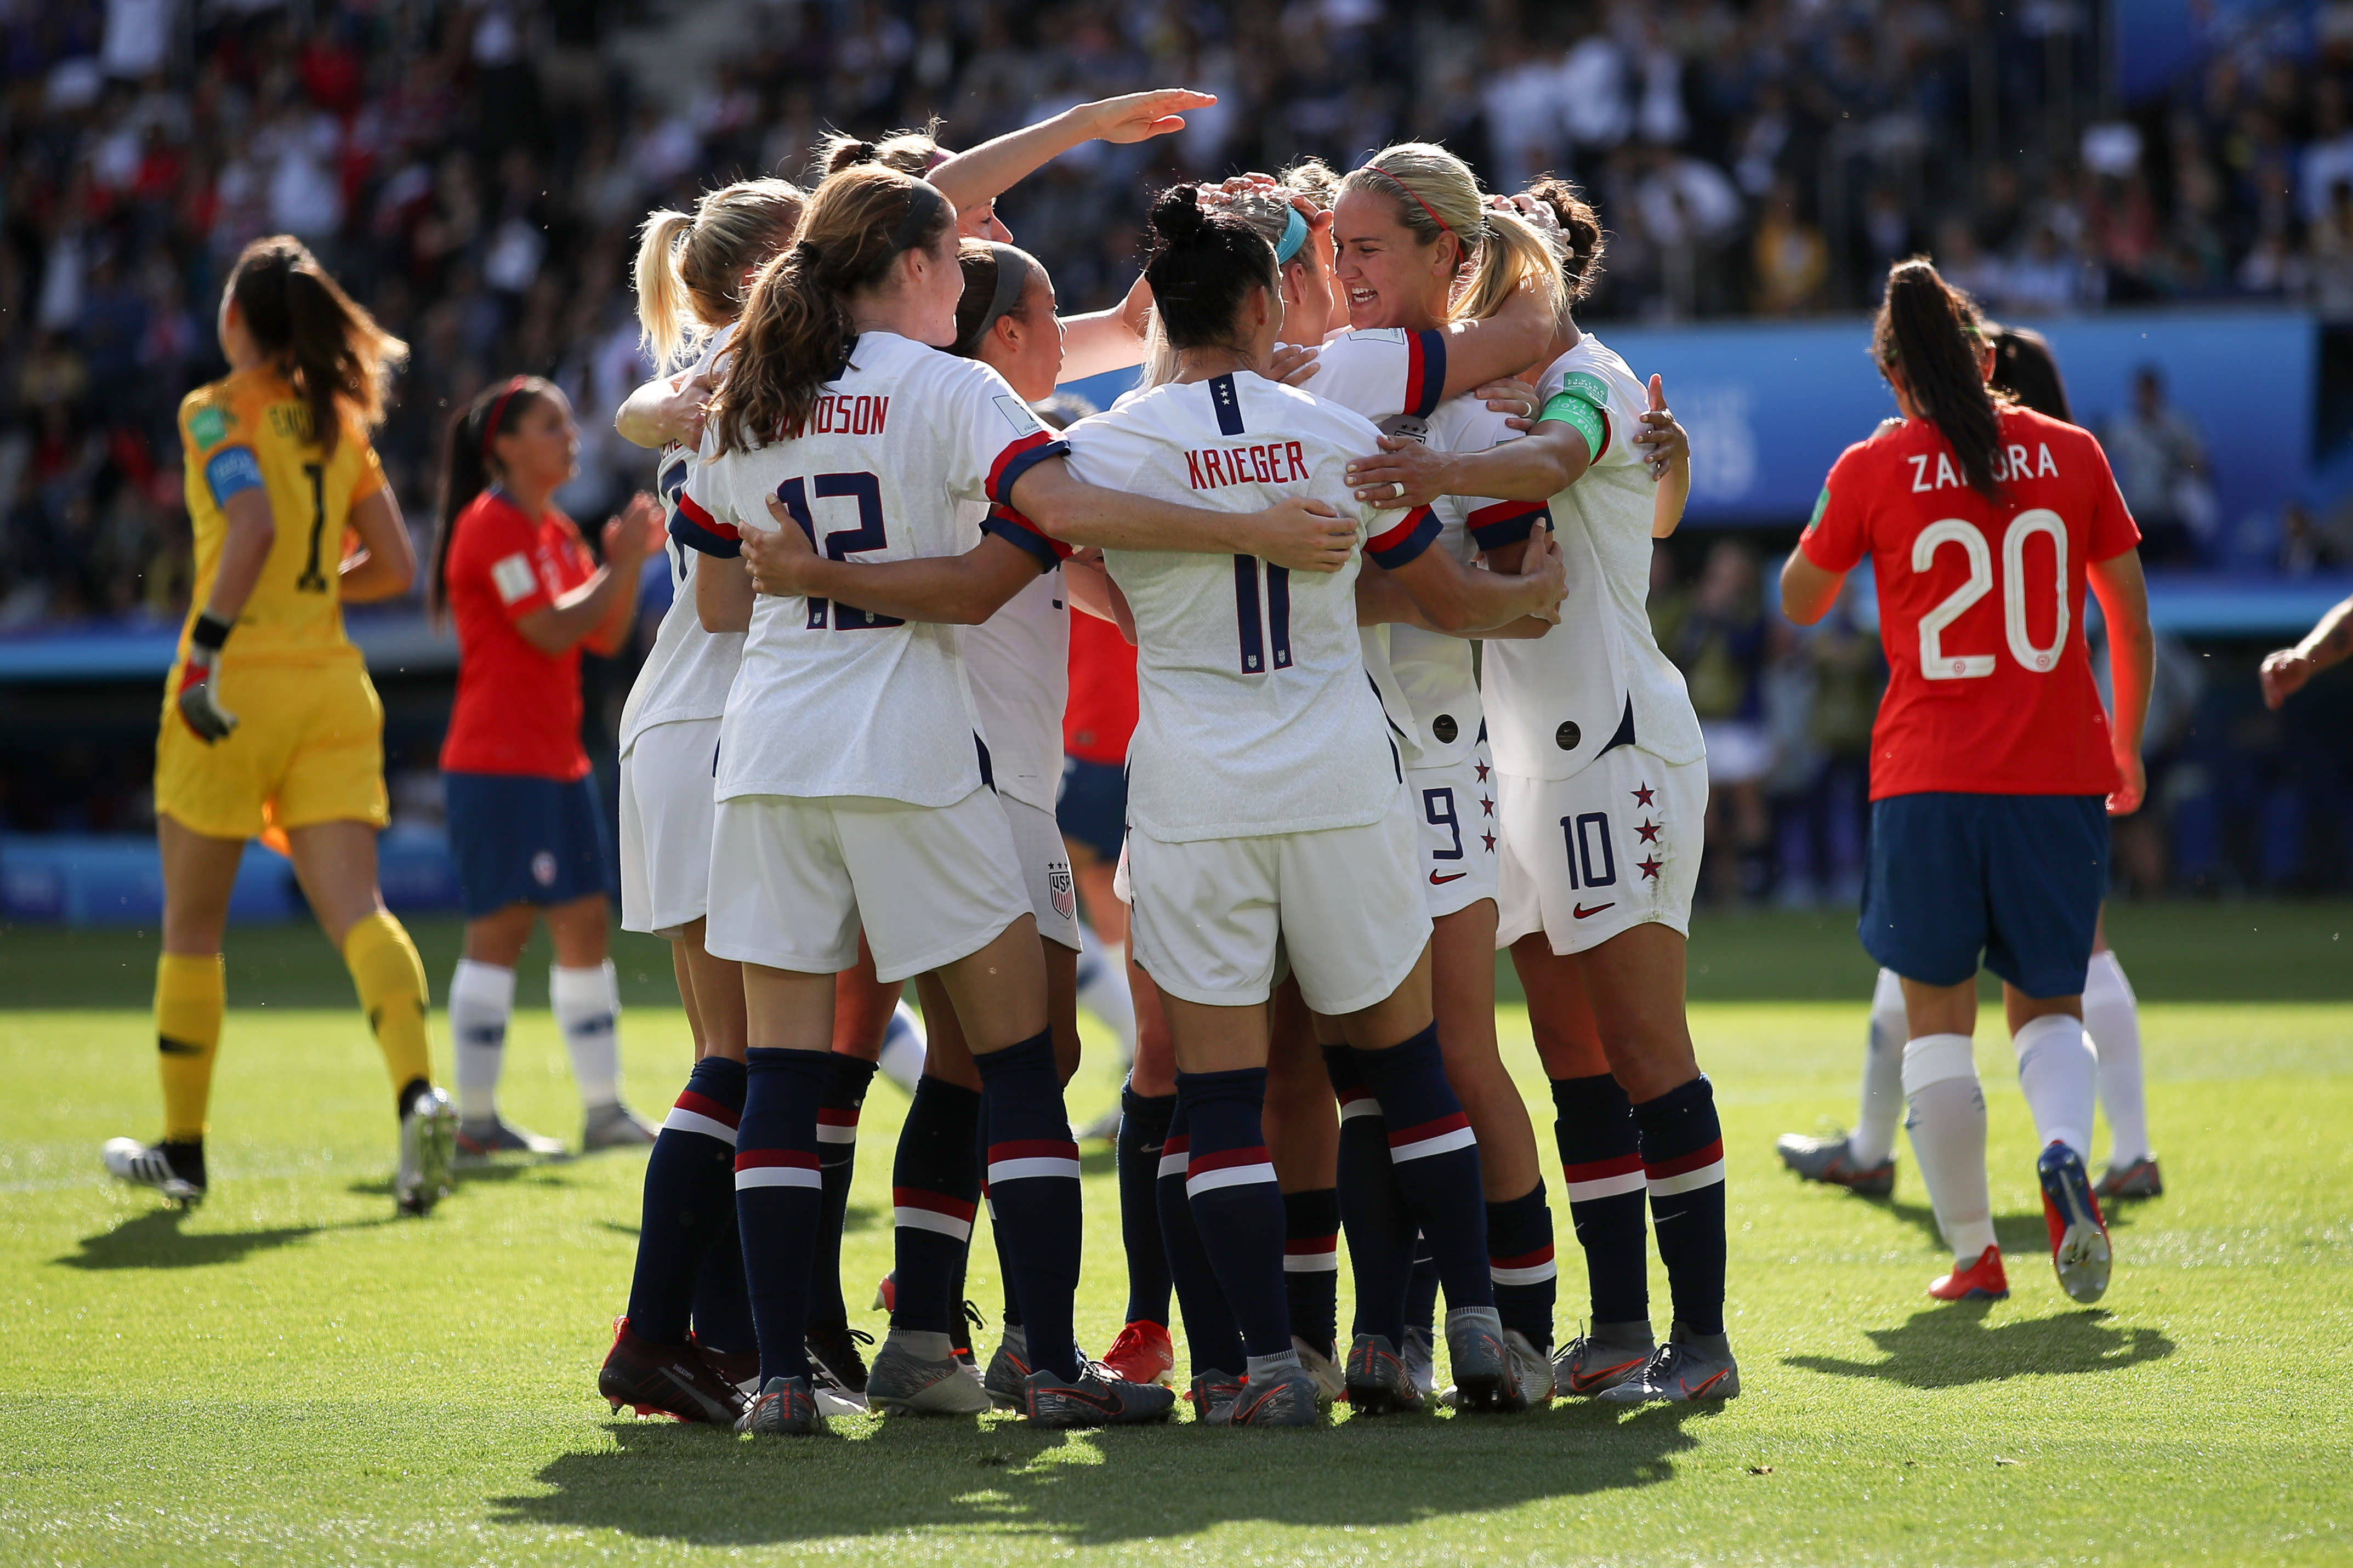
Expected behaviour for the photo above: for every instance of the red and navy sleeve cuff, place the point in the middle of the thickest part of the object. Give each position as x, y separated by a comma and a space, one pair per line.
1425, 377
1017, 529
1019, 459
698, 530
1405, 539
1506, 522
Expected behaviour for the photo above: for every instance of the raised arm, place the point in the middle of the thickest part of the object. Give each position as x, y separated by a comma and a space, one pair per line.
665, 409
2122, 593
1106, 340
1301, 535
983, 172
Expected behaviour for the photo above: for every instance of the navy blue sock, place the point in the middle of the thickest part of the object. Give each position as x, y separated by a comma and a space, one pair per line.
1011, 1308
1311, 1264
1033, 1192
1436, 1157
1601, 1169
934, 1187
780, 1198
723, 1303
1520, 1261
689, 1199
837, 1163
1682, 1160
1143, 1128
1380, 1233
1211, 1339
1236, 1206
1421, 1289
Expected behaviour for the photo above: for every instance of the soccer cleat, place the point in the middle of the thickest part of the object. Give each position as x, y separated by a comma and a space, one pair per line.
1592, 1362
1983, 1280
1283, 1396
2137, 1179
1321, 1366
1689, 1368
1825, 1159
1008, 1369
837, 1370
886, 1292
1376, 1378
1421, 1362
901, 1382
2079, 1236
156, 1165
429, 1143
1531, 1369
615, 1126
1099, 1398
676, 1381
740, 1368
479, 1141
1212, 1398
1142, 1353
785, 1408
1484, 1379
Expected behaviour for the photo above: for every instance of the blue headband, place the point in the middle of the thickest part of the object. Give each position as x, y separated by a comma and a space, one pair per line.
1294, 235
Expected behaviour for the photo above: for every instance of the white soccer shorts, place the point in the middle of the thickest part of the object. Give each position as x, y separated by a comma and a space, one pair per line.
793, 880
1045, 862
1456, 816
666, 812
1616, 847
1211, 914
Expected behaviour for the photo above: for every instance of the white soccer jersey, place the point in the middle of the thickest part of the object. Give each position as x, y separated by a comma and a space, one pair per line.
1597, 679
688, 670
1254, 714
835, 700
1019, 661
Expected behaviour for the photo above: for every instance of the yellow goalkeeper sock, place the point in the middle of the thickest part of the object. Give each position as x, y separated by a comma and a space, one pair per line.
190, 994
391, 982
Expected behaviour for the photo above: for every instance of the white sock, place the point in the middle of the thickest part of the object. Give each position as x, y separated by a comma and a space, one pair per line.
903, 1048
2112, 1017
1883, 1076
481, 1000
2060, 1074
1948, 1124
587, 1007
1102, 991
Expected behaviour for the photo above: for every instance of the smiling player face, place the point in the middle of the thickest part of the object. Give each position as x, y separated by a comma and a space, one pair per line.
1386, 278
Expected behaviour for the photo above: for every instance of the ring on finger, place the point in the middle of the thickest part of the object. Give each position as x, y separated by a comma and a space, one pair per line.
1399, 492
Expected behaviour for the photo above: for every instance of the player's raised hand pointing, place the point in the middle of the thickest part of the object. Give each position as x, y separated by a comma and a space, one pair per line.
1140, 116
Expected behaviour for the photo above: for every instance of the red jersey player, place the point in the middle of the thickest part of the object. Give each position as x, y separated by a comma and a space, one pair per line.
1991, 761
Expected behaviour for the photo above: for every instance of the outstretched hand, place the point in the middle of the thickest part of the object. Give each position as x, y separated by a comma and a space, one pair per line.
1140, 116
1403, 473
1665, 443
631, 538
1305, 535
1293, 364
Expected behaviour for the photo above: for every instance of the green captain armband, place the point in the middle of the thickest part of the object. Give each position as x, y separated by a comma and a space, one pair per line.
1578, 408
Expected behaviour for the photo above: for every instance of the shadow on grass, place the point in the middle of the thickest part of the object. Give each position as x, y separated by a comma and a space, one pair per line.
156, 1241
705, 1488
1951, 1346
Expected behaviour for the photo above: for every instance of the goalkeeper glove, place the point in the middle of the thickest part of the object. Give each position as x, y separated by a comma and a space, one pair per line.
199, 702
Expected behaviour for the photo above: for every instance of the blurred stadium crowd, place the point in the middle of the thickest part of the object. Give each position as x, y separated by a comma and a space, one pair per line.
473, 170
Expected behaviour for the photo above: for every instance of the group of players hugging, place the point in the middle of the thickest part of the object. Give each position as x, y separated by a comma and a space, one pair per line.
1378, 521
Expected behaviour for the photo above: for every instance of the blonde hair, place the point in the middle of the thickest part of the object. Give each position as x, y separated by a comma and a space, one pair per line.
915, 152
690, 269
1435, 193
1313, 178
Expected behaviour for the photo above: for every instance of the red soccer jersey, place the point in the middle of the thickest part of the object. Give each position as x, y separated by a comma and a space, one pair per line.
1980, 605
518, 711
1100, 713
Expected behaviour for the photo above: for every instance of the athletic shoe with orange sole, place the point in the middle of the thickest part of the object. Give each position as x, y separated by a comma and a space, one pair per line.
1142, 1353
2080, 1252
676, 1381
1983, 1280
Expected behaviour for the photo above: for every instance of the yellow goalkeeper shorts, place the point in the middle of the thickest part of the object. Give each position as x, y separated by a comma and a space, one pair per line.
308, 747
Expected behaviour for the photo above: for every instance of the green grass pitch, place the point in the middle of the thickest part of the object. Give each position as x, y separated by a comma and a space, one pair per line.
289, 1375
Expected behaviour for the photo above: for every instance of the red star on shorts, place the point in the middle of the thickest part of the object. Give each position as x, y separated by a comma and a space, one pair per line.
1642, 796
1483, 771
1649, 868
1489, 840
1486, 806
1649, 832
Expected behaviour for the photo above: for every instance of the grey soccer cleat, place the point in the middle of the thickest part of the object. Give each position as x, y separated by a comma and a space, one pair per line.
2080, 1253
904, 1381
429, 1146
615, 1126
1279, 1397
1421, 1362
1607, 1357
1531, 1369
1097, 1397
1826, 1159
179, 1177
1687, 1370
1377, 1381
1329, 1379
492, 1135
784, 1408
1008, 1378
1212, 1398
2135, 1179
1484, 1379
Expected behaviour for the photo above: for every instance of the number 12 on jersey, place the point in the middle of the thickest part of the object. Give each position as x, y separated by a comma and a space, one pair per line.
843, 542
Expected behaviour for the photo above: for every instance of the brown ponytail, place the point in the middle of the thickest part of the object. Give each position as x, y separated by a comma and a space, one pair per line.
469, 463
795, 330
333, 353
1580, 232
1929, 334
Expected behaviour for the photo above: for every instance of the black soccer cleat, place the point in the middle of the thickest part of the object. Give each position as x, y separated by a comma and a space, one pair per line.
676, 1381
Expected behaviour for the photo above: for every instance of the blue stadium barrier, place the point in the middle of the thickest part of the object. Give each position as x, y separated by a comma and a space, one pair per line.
396, 642
89, 879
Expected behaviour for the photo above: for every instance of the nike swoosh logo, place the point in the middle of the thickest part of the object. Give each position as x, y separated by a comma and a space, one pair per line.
1691, 1393
1581, 912
1438, 881
1583, 1381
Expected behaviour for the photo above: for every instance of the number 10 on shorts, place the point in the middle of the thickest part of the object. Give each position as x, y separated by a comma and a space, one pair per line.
1583, 834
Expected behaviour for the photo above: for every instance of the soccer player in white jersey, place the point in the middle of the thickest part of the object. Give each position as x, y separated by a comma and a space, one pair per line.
1261, 817
849, 774
1602, 788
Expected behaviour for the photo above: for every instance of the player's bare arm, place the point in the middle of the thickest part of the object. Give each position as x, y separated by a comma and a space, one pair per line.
2122, 593
954, 590
1386, 598
1807, 591
724, 595
983, 172
600, 613
1538, 466
665, 409
245, 551
1089, 586
1298, 534
1462, 601
2330, 641
386, 562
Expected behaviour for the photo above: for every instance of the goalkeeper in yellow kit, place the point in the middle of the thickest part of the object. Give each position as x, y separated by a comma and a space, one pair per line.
269, 724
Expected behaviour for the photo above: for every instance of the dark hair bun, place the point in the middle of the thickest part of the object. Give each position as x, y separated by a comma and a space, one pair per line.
1580, 227
1177, 216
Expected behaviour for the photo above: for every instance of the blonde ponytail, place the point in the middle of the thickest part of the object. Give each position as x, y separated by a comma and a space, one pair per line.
662, 319
690, 269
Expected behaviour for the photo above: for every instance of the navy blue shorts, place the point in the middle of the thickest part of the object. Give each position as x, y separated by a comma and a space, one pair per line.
2017, 877
520, 840
1092, 806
